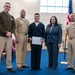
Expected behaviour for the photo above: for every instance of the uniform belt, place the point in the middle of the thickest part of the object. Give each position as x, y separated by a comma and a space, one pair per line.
71, 38
23, 33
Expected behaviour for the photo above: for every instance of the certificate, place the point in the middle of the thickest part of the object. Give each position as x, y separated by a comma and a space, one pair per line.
36, 40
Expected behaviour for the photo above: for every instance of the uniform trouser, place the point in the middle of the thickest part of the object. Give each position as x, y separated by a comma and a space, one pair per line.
52, 54
35, 56
21, 50
8, 42
71, 53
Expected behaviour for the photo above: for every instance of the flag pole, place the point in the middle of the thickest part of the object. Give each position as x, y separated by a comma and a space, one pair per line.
64, 61
70, 11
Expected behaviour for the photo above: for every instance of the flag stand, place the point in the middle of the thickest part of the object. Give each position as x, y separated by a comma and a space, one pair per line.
64, 61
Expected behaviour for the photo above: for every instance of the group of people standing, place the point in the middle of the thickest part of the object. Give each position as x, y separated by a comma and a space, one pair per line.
24, 32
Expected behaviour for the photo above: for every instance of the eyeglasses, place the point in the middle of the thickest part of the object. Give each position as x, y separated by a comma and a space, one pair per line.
8, 6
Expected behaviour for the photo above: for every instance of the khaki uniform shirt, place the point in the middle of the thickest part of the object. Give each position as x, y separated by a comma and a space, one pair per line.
22, 26
71, 29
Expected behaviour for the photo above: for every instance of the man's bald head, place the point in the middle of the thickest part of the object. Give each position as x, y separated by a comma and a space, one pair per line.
23, 13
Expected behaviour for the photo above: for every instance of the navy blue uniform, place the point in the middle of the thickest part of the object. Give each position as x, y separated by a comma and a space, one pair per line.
38, 31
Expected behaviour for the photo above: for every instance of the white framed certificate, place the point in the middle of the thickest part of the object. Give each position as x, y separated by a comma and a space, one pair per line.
36, 40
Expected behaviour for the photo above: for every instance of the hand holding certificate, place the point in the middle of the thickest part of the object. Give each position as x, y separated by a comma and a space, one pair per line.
36, 40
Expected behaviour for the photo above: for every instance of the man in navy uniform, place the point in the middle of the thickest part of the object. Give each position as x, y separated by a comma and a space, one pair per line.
37, 30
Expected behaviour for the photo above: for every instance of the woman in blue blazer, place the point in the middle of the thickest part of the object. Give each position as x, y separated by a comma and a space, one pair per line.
53, 41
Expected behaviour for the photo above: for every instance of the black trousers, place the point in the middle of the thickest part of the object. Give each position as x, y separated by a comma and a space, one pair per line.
53, 51
35, 56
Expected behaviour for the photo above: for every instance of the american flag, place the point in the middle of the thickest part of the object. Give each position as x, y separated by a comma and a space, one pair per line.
70, 10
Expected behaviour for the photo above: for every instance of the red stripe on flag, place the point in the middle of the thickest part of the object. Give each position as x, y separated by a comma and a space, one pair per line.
68, 20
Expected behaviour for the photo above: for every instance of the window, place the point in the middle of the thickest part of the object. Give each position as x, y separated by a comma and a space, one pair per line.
54, 6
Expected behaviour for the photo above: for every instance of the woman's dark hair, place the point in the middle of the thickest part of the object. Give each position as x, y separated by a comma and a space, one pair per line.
56, 21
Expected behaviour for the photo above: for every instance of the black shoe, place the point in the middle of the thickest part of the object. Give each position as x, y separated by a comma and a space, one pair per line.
55, 68
74, 71
11, 69
39, 69
32, 69
25, 66
68, 68
49, 66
